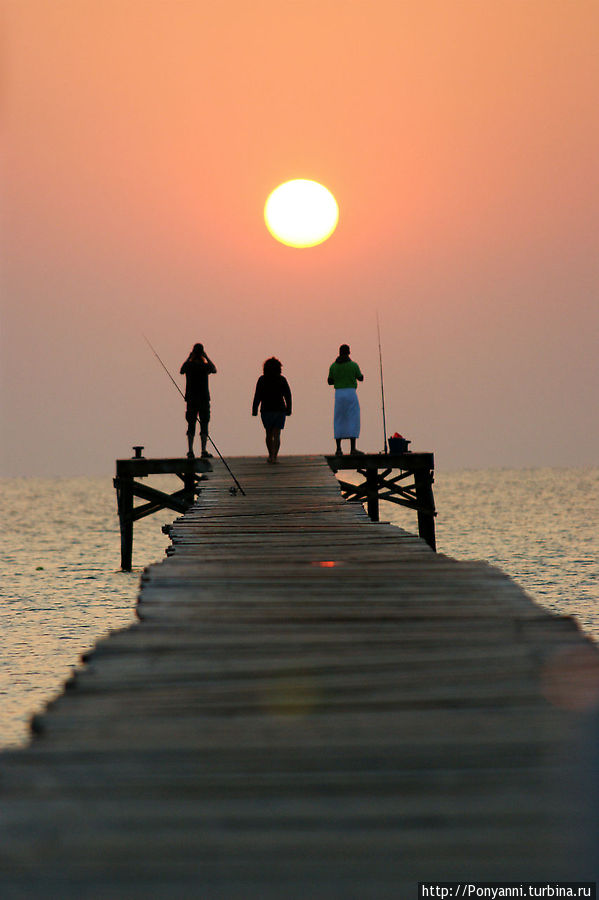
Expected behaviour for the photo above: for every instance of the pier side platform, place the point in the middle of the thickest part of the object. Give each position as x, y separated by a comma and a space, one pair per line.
312, 705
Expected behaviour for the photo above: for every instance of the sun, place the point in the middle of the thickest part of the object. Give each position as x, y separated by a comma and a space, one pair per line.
301, 213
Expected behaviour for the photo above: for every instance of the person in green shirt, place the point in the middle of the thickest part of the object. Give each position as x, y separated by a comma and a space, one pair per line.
344, 375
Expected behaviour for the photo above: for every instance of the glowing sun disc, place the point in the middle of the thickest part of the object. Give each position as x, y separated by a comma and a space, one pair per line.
301, 213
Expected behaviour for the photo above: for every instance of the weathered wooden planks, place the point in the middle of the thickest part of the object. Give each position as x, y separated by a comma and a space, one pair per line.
311, 705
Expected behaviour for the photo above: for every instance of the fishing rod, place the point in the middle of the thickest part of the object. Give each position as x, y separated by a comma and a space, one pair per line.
378, 328
222, 459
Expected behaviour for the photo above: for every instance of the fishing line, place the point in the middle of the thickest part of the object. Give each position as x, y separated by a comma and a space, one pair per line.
222, 459
378, 328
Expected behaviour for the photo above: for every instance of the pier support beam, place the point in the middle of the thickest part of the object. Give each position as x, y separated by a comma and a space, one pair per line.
190, 471
379, 484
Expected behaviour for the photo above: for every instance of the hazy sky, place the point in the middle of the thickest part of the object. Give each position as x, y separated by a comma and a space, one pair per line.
141, 140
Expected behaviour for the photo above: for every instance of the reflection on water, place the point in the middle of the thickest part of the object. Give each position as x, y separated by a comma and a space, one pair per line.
63, 589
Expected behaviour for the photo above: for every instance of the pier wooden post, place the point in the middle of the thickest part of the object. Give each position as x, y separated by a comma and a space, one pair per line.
372, 494
423, 480
189, 486
125, 507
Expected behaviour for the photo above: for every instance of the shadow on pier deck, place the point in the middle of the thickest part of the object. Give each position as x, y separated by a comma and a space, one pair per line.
312, 706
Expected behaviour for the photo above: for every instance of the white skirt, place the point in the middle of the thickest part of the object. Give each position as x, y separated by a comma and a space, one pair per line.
347, 413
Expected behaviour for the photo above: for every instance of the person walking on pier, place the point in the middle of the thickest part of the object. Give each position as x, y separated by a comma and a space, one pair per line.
344, 375
273, 396
196, 368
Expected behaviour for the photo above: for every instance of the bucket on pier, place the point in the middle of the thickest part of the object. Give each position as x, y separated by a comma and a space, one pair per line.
398, 444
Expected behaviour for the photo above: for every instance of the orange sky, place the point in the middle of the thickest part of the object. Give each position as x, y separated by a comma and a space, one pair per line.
141, 141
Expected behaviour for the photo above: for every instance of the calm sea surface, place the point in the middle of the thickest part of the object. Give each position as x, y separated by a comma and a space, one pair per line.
62, 588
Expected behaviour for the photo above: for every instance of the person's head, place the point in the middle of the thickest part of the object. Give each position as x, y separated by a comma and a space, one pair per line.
272, 366
198, 350
344, 350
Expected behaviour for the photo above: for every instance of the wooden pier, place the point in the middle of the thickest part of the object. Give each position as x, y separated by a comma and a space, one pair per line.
312, 705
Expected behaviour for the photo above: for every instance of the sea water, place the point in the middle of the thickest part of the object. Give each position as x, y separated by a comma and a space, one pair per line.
62, 588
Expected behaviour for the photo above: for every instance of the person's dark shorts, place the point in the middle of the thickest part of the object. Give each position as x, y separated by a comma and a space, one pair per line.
197, 409
272, 418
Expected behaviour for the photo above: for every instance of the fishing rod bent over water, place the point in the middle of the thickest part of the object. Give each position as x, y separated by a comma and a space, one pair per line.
378, 328
221, 457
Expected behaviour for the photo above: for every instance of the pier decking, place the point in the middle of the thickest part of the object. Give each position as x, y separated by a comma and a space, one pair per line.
312, 705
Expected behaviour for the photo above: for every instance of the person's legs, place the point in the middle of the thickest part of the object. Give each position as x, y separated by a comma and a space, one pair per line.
190, 416
204, 417
275, 442
339, 451
270, 444
204, 438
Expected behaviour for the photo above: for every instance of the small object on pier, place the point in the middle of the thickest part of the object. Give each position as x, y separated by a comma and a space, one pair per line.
138, 452
233, 491
398, 443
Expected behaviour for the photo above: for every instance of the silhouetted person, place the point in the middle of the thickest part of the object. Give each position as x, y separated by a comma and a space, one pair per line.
344, 375
196, 368
273, 396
